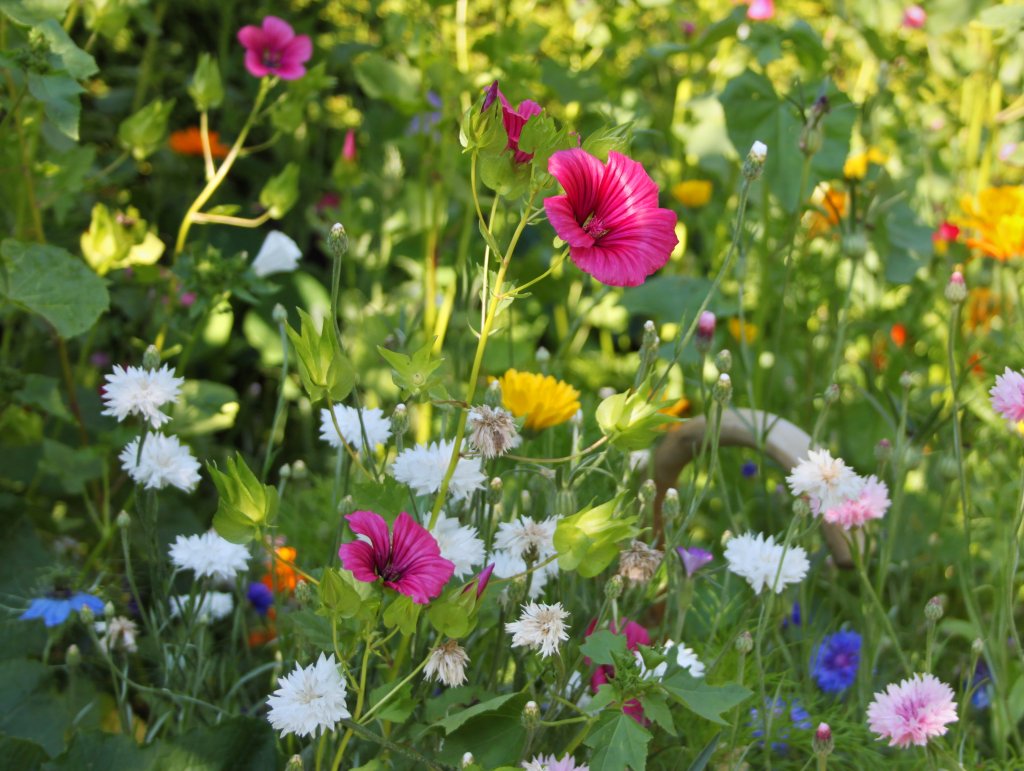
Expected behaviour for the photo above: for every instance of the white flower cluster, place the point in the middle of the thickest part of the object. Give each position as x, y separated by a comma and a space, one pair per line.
837, 492
523, 539
209, 555
423, 468
378, 427
164, 461
309, 699
764, 563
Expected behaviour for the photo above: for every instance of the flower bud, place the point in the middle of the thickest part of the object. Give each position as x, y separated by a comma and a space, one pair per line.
801, 508
109, 610
949, 468
151, 358
647, 492
525, 501
956, 289
337, 240
577, 418
705, 331
299, 470
543, 356
723, 361
855, 244
977, 646
73, 656
285, 472
906, 380
650, 339
613, 588
86, 614
123, 519
883, 450
304, 593
822, 743
531, 714
294, 763
495, 488
670, 506
468, 759
934, 609
399, 420
753, 166
832, 394
744, 643
279, 315
722, 391
811, 136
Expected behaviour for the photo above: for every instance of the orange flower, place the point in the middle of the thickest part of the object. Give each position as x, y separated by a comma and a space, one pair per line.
996, 215
983, 305
189, 141
284, 574
833, 209
898, 334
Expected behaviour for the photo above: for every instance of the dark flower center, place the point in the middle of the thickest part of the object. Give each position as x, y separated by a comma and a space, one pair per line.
389, 572
60, 593
271, 58
594, 226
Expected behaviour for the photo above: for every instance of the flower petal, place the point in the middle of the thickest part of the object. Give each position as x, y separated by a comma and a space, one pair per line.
251, 37
357, 558
580, 173
278, 32
630, 253
563, 220
625, 188
297, 51
374, 527
254, 64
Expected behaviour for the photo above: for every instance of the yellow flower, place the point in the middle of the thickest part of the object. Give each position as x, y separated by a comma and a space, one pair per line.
693, 193
997, 217
544, 400
737, 329
833, 204
856, 166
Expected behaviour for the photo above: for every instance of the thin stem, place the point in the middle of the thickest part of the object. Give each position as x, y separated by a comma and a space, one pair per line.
958, 445
223, 219
204, 137
365, 718
279, 409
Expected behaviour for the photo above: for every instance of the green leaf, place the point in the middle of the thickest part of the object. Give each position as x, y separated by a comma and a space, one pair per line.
403, 613
234, 742
69, 57
600, 646
608, 139
399, 84
29, 12
144, 131
903, 242
119, 240
413, 374
43, 393
281, 192
656, 708
48, 281
204, 408
492, 731
95, 751
206, 88
244, 504
701, 761
59, 97
398, 707
588, 541
456, 721
619, 742
708, 701
22, 753
631, 420
72, 466
326, 372
449, 619
388, 497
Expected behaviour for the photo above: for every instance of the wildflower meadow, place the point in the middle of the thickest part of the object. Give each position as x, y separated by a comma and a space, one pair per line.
563, 386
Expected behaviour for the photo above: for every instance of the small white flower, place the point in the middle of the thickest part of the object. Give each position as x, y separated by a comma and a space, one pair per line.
527, 538
459, 544
685, 658
758, 560
118, 632
279, 254
209, 555
540, 626
378, 427
163, 461
493, 431
423, 468
212, 607
139, 391
447, 664
759, 151
828, 482
309, 699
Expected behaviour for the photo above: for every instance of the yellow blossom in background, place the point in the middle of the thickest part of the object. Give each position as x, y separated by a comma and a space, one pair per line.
542, 399
741, 331
833, 209
996, 215
693, 193
856, 166
982, 306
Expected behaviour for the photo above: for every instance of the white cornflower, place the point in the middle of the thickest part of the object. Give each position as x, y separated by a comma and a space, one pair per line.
140, 391
459, 544
423, 468
508, 564
164, 461
447, 664
826, 481
309, 699
209, 555
213, 607
118, 632
378, 427
492, 430
758, 560
527, 538
278, 254
540, 626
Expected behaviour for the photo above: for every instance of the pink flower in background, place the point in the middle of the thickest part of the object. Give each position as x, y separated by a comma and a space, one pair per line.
1008, 396
947, 231
275, 49
187, 299
348, 150
610, 218
408, 561
914, 17
913, 711
515, 120
761, 10
635, 635
872, 503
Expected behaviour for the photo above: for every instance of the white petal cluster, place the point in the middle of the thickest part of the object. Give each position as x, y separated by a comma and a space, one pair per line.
140, 391
540, 627
686, 658
278, 254
309, 699
459, 544
164, 461
212, 607
423, 468
447, 664
209, 555
378, 427
825, 480
759, 560
118, 633
523, 539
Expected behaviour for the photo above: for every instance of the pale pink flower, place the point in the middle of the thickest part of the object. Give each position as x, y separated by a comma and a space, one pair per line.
913, 711
914, 17
761, 10
1008, 396
872, 503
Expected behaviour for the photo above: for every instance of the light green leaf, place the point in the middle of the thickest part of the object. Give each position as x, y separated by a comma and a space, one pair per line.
397, 83
600, 647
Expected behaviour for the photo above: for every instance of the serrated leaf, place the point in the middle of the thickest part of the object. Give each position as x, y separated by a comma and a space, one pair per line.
601, 645
619, 742
403, 613
656, 708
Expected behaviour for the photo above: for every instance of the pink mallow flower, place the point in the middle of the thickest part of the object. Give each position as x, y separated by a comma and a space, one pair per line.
408, 560
872, 503
1008, 396
761, 10
610, 218
913, 711
275, 49
914, 17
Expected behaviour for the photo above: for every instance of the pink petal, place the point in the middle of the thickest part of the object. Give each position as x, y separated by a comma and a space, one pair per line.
528, 108
563, 220
417, 557
298, 50
624, 188
375, 528
628, 255
580, 173
278, 32
254, 63
290, 71
357, 557
251, 37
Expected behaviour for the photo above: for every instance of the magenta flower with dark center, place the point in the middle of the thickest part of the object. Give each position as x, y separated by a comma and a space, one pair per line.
407, 560
275, 49
610, 217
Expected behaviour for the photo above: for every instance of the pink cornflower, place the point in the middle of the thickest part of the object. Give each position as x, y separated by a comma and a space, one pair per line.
913, 711
761, 10
275, 49
610, 218
1008, 396
408, 561
947, 231
872, 503
914, 17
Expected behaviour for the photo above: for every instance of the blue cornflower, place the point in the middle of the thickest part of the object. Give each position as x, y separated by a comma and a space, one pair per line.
749, 469
981, 697
785, 717
55, 609
835, 661
261, 597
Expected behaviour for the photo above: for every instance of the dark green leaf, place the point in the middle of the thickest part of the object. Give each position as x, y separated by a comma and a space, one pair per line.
600, 646
708, 701
619, 742
59, 96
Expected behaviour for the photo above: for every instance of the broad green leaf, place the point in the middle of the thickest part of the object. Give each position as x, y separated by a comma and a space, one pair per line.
403, 613
59, 96
69, 57
73, 467
619, 742
449, 619
588, 541
398, 707
456, 721
600, 646
204, 408
234, 742
493, 734
281, 191
708, 701
387, 497
48, 281
95, 750
29, 12
656, 708
43, 392
394, 82
903, 243
144, 131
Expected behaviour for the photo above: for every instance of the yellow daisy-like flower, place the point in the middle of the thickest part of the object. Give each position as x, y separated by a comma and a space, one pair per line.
693, 193
542, 399
996, 216
856, 166
741, 331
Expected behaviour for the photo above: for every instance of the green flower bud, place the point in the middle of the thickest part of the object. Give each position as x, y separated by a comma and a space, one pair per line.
753, 166
670, 506
299, 470
934, 609
744, 643
801, 508
822, 743
647, 492
279, 314
855, 244
338, 240
144, 132
73, 656
123, 519
281, 191
206, 88
977, 646
613, 588
883, 450
495, 489
722, 391
832, 394
151, 358
723, 361
294, 763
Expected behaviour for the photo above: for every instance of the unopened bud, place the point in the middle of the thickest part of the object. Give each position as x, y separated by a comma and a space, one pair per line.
753, 166
722, 392
468, 759
109, 610
151, 358
543, 355
832, 394
531, 714
934, 609
294, 763
650, 339
299, 470
495, 488
670, 506
613, 588
399, 420
279, 315
285, 472
883, 450
338, 240
565, 502
304, 593
525, 500
73, 656
855, 244
956, 289
647, 492
801, 508
977, 646
346, 506
123, 519
605, 392
705, 331
949, 468
822, 742
723, 361
811, 136
86, 614
577, 418
744, 643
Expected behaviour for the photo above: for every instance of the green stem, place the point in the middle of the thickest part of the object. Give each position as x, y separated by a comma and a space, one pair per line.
279, 409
